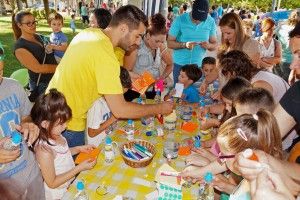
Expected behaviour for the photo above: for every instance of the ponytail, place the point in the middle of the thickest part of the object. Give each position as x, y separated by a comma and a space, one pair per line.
268, 133
17, 19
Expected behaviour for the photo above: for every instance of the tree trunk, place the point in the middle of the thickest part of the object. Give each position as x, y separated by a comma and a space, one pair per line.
46, 6
68, 6
2, 8
19, 5
12, 5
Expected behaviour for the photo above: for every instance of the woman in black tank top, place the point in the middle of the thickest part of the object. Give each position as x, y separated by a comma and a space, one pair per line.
30, 51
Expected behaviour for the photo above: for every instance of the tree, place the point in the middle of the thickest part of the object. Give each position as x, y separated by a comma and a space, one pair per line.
2, 8
46, 6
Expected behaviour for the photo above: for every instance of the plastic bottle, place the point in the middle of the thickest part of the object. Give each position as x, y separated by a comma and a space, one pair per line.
13, 143
248, 153
206, 190
157, 97
130, 130
109, 151
150, 126
81, 194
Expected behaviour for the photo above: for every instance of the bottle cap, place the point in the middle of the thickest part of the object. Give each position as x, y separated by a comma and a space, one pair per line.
197, 143
247, 153
130, 122
16, 138
157, 92
139, 100
202, 103
80, 185
108, 140
208, 177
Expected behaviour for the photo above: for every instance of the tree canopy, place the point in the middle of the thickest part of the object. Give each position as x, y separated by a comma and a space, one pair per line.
262, 5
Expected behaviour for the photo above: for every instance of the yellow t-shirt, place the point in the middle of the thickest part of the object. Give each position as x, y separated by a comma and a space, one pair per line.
88, 70
120, 53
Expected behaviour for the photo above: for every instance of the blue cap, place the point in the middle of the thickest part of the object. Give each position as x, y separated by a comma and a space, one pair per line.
202, 103
130, 122
108, 140
208, 177
16, 138
139, 100
197, 143
80, 185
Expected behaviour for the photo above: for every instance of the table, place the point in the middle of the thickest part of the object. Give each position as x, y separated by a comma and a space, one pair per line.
121, 179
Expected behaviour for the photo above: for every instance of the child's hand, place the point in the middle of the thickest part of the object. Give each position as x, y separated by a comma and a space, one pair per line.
87, 164
86, 148
216, 95
203, 89
172, 92
197, 160
192, 172
222, 184
49, 47
209, 123
202, 112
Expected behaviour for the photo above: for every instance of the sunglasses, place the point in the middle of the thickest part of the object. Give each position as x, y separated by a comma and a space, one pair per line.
30, 24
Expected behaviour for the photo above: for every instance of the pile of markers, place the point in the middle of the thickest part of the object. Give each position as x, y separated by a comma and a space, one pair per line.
137, 152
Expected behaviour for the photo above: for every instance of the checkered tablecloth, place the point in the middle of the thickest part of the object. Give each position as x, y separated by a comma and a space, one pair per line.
121, 179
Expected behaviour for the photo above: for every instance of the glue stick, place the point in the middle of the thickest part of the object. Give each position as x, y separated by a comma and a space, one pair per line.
248, 153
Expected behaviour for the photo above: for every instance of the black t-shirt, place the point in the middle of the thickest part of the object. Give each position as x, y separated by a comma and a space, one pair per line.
38, 51
291, 101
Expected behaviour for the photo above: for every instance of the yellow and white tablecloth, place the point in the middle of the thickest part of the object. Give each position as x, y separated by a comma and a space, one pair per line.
121, 179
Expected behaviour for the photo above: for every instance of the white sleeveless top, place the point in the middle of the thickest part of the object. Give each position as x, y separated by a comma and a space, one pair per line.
63, 162
146, 62
267, 52
279, 85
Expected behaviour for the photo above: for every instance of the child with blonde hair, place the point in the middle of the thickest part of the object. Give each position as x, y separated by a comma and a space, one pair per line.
51, 113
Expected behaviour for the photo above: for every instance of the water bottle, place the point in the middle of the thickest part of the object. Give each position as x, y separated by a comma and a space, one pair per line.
150, 126
206, 190
81, 194
109, 150
129, 130
157, 97
140, 101
13, 143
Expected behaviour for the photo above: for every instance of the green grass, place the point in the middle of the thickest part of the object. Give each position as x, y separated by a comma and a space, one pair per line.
11, 64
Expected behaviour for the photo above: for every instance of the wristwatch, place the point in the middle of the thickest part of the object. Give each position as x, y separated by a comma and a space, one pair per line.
183, 45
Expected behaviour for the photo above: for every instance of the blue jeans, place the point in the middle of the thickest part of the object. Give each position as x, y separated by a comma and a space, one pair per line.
74, 138
176, 72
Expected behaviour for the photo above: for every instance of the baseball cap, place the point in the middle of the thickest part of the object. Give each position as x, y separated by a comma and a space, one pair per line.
200, 10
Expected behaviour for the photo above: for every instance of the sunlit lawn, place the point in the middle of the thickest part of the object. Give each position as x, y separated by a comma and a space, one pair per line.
7, 39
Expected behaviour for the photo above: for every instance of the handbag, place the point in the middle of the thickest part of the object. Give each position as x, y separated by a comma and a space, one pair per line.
34, 94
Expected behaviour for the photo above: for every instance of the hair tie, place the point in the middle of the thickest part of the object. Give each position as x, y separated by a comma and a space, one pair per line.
255, 116
242, 134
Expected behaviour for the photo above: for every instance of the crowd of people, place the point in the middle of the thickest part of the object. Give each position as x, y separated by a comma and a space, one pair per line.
79, 89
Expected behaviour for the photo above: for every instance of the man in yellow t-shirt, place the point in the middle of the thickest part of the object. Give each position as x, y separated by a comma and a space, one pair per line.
90, 69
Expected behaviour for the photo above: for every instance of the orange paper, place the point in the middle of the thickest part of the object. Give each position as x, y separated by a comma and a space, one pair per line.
184, 151
85, 156
189, 126
141, 84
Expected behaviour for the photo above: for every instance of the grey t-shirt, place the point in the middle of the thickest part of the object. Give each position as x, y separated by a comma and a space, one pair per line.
20, 178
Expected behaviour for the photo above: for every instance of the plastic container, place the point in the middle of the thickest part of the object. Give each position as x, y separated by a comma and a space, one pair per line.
171, 149
206, 190
81, 194
109, 150
170, 121
13, 143
129, 130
